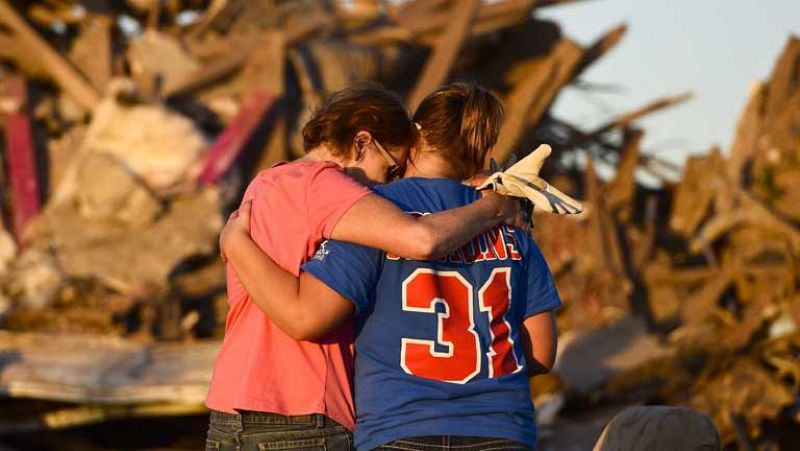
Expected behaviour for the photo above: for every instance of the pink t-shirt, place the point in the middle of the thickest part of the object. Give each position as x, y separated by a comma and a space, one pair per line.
295, 207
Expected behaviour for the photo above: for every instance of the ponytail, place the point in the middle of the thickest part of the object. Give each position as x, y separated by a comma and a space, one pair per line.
462, 123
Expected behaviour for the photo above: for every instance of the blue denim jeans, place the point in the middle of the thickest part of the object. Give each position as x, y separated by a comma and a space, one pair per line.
259, 431
453, 443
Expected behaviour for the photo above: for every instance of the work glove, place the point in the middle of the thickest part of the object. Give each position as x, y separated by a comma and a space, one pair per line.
522, 180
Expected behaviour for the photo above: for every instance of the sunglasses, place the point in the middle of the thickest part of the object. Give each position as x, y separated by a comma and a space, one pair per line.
395, 171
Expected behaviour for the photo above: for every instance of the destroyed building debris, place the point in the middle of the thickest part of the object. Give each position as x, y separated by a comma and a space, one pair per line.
131, 128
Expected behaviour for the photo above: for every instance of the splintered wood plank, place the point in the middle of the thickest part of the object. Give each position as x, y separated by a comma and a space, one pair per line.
623, 186
265, 64
91, 51
104, 369
441, 61
62, 72
210, 72
9, 49
748, 131
628, 118
234, 51
600, 47
783, 80
427, 19
652, 107
749, 211
530, 98
694, 196
266, 69
231, 142
21, 157
602, 225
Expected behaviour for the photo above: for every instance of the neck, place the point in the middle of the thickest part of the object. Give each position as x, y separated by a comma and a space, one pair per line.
427, 163
322, 153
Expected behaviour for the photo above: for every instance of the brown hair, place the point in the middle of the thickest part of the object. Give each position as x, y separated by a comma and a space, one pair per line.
461, 122
364, 106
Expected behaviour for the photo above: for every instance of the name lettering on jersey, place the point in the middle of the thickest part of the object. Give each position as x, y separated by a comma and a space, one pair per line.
499, 243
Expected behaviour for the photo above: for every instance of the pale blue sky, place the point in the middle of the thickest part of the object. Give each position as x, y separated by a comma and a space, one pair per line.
714, 48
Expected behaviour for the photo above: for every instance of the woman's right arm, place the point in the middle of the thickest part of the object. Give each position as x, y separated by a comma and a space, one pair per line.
375, 222
302, 307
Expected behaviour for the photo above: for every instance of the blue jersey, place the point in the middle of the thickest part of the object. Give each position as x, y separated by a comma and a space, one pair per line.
438, 347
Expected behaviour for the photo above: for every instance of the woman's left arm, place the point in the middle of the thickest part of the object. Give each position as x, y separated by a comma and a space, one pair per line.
540, 342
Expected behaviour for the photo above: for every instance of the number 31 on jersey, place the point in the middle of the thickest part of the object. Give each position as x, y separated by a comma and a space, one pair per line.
461, 359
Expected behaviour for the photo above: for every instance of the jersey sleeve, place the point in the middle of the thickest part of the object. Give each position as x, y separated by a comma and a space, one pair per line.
542, 294
329, 194
349, 269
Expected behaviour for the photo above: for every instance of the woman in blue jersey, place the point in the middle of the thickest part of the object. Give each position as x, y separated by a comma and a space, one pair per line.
444, 348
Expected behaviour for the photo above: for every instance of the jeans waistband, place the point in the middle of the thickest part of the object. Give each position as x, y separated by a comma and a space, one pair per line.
249, 417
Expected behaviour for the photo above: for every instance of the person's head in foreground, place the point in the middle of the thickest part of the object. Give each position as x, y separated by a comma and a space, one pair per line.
366, 129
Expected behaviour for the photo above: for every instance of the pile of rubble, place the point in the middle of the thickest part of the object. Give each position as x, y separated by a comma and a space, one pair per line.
690, 291
123, 122
130, 128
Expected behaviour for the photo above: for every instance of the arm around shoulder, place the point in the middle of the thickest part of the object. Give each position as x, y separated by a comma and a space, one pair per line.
375, 222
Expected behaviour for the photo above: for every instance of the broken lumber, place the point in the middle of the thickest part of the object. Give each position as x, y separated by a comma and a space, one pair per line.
747, 134
630, 117
59, 69
91, 52
104, 370
622, 188
529, 99
443, 56
232, 140
427, 19
600, 47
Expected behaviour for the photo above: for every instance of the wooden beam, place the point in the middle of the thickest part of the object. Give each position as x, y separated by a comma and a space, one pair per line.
231, 142
427, 20
105, 370
91, 52
622, 187
62, 72
213, 71
600, 47
628, 118
236, 54
529, 99
652, 107
440, 62
748, 131
10, 50
266, 69
750, 211
761, 216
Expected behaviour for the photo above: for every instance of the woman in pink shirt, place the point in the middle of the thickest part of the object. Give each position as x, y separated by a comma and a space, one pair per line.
268, 390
